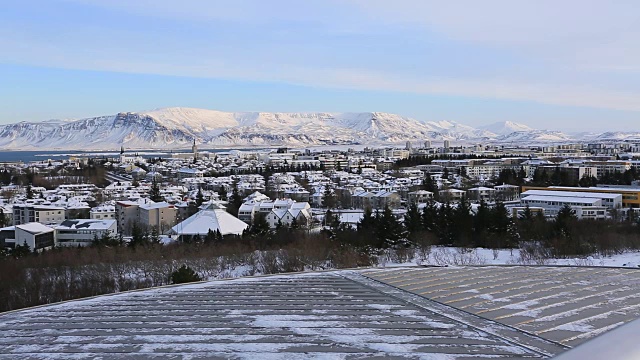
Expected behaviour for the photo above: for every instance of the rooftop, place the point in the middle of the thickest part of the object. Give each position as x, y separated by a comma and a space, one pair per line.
88, 224
410, 312
563, 199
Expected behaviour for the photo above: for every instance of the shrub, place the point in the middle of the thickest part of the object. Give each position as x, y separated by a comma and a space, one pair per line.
184, 275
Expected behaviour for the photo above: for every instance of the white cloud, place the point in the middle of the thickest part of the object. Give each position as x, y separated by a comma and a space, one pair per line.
571, 44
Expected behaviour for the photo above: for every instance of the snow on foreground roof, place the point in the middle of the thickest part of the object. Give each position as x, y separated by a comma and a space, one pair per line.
566, 305
337, 315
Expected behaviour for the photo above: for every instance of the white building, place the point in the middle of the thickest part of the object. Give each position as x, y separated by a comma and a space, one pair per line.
36, 235
27, 213
210, 218
103, 212
610, 200
82, 232
301, 212
582, 206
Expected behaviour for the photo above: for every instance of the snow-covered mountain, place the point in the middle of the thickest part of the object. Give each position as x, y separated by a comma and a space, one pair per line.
534, 136
175, 128
506, 128
617, 135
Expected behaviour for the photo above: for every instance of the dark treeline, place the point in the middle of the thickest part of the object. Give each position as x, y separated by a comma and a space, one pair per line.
416, 160
488, 227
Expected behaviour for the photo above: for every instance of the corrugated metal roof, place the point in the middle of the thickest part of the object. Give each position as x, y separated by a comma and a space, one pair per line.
435, 313
567, 305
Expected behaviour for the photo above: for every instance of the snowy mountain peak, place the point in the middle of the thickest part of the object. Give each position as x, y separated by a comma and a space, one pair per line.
506, 127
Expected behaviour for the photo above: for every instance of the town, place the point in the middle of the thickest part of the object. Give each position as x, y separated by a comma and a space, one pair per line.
198, 194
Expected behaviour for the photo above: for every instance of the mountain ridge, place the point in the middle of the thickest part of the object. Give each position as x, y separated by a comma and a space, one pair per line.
178, 127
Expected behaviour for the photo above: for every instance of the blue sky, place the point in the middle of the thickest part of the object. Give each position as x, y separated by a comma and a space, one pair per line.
568, 65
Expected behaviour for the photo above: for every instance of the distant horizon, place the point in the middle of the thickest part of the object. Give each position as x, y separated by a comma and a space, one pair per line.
569, 66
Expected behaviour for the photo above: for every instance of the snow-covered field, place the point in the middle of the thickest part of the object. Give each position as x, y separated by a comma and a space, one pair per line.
441, 256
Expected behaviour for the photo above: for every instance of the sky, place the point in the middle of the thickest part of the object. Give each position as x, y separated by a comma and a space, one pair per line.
570, 65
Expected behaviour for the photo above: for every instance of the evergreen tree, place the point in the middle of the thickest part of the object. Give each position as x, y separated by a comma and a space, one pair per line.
565, 217
294, 224
527, 214
154, 236
222, 194
462, 223
500, 218
20, 251
154, 193
139, 236
445, 224
259, 227
390, 232
236, 200
29, 192
521, 176
184, 275
445, 173
365, 235
328, 198
199, 197
429, 184
210, 238
429, 216
481, 223
413, 219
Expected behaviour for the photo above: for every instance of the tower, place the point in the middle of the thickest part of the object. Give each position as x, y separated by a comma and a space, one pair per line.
194, 149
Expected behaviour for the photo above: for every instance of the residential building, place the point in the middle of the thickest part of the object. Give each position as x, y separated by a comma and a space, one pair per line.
28, 213
481, 193
160, 216
507, 192
103, 212
419, 197
301, 212
82, 232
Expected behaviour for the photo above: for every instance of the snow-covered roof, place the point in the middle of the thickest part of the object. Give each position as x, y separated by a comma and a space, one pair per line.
34, 228
87, 224
157, 205
210, 218
576, 194
562, 199
409, 314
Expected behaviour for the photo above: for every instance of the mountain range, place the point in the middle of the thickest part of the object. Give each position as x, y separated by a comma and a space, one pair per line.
178, 128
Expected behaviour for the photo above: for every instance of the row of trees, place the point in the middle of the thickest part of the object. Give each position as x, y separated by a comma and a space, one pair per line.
488, 227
